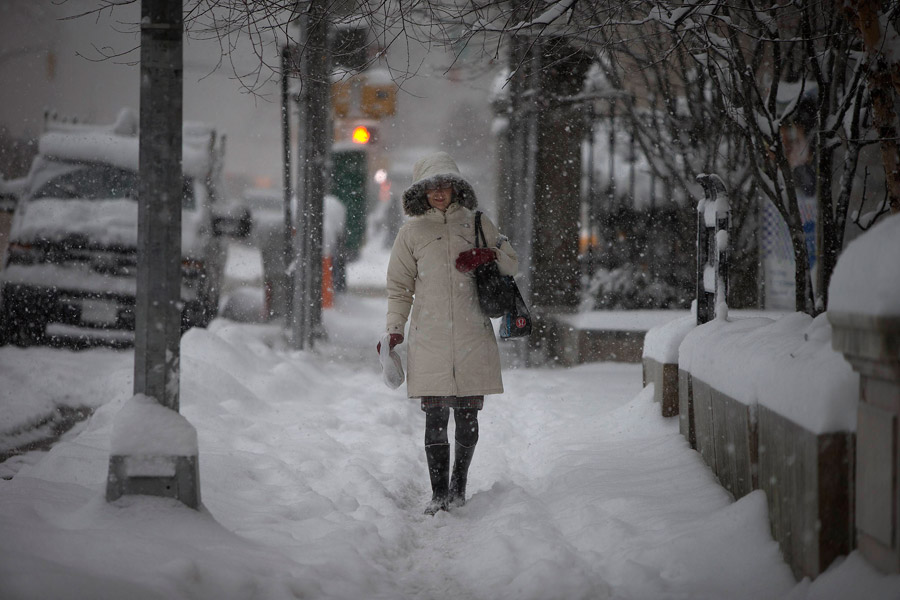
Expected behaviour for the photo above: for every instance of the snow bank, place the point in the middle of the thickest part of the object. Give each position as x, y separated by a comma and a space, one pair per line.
38, 386
866, 279
786, 365
314, 480
576, 489
146, 427
851, 577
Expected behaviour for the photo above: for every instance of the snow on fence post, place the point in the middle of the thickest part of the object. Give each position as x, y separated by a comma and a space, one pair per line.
713, 232
660, 363
773, 410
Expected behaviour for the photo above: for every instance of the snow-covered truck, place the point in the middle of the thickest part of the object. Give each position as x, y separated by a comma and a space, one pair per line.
70, 267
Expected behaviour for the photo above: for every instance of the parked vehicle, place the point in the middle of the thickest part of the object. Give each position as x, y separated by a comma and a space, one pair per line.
70, 268
10, 190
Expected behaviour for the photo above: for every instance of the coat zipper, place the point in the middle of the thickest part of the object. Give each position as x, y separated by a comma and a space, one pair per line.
452, 332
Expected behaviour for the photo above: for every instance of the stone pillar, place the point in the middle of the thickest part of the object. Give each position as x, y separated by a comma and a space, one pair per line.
872, 345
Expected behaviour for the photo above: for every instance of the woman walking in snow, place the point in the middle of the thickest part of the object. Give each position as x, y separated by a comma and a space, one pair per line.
453, 360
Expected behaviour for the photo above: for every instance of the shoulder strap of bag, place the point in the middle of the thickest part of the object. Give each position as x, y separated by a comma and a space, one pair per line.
480, 240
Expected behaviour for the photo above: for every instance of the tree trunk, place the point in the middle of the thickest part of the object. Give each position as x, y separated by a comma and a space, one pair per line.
556, 271
884, 85
885, 121
801, 270
827, 237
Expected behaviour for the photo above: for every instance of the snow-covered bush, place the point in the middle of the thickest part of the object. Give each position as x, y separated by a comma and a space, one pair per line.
634, 264
628, 287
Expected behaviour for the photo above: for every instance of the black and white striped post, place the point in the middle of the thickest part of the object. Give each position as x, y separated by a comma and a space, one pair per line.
713, 240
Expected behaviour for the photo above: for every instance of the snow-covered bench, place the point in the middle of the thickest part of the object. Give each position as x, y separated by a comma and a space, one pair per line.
603, 335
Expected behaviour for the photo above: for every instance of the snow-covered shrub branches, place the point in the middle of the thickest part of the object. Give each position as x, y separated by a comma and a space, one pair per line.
770, 95
789, 77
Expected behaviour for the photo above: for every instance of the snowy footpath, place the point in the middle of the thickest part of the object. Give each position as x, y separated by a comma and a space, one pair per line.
313, 484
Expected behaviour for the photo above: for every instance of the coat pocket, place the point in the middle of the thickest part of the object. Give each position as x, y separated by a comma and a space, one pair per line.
426, 246
468, 241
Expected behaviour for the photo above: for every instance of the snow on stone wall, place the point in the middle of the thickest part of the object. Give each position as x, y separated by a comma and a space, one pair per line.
866, 279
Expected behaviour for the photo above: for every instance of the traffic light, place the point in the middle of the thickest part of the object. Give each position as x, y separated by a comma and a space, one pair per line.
378, 97
361, 135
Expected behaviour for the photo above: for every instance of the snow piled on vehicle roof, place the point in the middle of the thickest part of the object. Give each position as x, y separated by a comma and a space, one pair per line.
115, 145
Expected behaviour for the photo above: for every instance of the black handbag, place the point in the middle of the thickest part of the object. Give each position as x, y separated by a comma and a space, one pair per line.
499, 295
517, 322
496, 292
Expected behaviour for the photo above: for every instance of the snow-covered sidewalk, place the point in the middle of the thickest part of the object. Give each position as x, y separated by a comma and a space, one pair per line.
313, 480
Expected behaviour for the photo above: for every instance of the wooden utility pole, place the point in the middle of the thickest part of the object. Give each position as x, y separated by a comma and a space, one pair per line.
869, 16
150, 468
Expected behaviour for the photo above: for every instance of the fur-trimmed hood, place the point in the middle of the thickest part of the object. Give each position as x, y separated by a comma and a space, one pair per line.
436, 168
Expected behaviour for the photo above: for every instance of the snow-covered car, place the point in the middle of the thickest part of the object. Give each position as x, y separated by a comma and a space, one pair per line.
70, 268
10, 190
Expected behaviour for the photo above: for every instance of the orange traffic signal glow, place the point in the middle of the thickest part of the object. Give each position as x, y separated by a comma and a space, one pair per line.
361, 135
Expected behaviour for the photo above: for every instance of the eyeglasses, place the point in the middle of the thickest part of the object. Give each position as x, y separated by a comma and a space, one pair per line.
431, 187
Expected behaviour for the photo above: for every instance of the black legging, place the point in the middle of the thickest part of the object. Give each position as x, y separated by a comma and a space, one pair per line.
436, 420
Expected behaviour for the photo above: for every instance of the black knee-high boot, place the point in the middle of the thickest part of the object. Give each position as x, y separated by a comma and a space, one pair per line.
461, 462
438, 456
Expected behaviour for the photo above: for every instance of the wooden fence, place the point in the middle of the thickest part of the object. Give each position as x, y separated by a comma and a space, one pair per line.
808, 478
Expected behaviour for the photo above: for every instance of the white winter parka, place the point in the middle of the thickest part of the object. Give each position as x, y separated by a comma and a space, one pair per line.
452, 348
